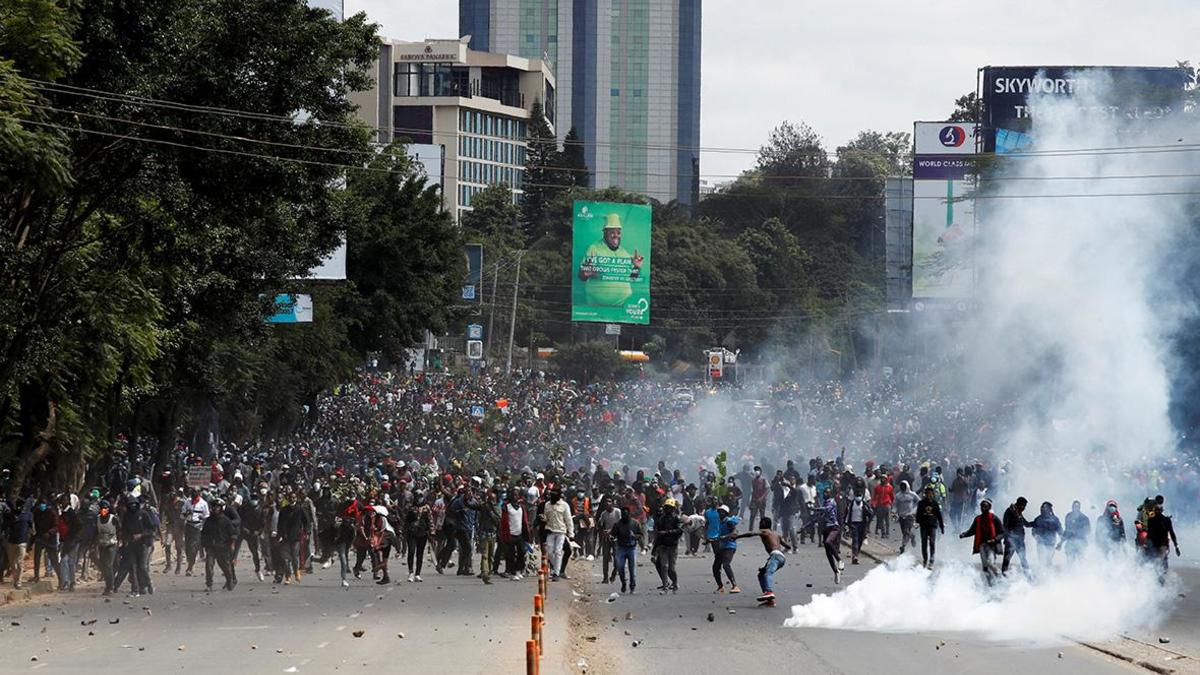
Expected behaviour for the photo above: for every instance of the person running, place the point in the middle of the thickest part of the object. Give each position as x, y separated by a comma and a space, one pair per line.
1014, 535
1160, 536
774, 545
929, 520
827, 518
858, 516
626, 535
609, 517
1046, 530
725, 548
988, 532
667, 531
905, 506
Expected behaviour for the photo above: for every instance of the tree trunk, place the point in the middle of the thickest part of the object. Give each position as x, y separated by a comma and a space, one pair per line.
44, 441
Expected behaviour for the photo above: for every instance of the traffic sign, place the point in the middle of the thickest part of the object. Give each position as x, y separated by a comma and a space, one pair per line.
474, 349
474, 331
477, 411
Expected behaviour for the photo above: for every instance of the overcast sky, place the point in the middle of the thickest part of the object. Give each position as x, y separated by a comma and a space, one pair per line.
844, 66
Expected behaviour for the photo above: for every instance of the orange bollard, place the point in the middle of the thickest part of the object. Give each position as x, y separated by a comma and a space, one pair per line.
541, 643
537, 605
531, 657
535, 625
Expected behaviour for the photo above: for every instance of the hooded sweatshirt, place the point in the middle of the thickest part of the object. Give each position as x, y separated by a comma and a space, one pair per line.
905, 502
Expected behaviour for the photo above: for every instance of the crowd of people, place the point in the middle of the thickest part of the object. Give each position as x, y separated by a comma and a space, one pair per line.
473, 475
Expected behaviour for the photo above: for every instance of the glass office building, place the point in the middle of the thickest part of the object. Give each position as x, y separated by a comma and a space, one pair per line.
629, 81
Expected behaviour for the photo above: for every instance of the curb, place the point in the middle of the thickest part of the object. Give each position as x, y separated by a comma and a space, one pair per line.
1152, 667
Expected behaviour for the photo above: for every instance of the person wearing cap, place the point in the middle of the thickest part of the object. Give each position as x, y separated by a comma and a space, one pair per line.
667, 531
725, 546
988, 532
607, 269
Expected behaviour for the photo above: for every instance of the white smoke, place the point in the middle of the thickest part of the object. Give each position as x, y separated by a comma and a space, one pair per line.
1093, 600
1071, 326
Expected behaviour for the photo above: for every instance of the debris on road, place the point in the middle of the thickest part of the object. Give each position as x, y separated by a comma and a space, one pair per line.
359, 633
1164, 641
711, 618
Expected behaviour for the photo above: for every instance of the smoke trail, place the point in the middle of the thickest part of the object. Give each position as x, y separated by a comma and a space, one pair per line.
1072, 328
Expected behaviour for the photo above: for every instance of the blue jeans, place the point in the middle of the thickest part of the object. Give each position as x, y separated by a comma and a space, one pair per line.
766, 573
627, 554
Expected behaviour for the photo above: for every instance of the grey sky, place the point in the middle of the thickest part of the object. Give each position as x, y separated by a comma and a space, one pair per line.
849, 65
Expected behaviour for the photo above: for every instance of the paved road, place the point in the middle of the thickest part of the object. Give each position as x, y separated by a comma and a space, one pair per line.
450, 624
454, 624
676, 637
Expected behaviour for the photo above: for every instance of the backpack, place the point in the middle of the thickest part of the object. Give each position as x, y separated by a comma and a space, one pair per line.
152, 520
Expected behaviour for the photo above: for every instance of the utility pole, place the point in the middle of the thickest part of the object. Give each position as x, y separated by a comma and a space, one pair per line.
512, 325
492, 312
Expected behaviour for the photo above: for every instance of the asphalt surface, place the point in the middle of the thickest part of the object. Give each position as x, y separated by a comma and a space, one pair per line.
675, 635
455, 624
450, 624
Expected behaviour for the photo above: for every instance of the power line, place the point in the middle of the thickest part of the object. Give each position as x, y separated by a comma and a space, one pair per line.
185, 107
824, 197
375, 153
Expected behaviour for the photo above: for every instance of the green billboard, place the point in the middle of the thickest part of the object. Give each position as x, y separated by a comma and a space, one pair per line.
610, 263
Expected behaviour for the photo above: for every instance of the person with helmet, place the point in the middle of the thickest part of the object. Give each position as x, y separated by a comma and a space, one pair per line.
667, 531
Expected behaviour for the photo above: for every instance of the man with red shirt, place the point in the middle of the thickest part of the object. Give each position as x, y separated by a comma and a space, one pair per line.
881, 502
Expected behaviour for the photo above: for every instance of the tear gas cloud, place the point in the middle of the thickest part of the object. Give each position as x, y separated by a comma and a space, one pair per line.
1071, 330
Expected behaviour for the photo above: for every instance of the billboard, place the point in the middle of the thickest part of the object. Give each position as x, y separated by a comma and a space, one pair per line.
943, 220
1131, 93
610, 263
292, 308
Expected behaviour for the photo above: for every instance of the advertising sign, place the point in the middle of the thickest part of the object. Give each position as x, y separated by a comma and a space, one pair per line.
610, 263
1125, 92
292, 308
943, 220
475, 349
716, 365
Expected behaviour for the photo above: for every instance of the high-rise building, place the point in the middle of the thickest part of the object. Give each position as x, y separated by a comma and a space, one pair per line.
475, 105
629, 81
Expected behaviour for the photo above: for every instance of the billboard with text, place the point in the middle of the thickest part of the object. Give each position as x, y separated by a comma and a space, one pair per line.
610, 271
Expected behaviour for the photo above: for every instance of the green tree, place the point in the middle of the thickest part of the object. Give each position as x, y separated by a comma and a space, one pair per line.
494, 220
967, 108
588, 362
571, 160
542, 181
404, 256
793, 151
126, 200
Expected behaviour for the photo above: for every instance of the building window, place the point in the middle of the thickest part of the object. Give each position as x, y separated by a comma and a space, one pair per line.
616, 92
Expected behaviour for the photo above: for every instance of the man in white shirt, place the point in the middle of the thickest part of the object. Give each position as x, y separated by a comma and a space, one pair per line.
194, 511
559, 528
